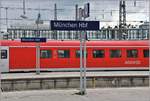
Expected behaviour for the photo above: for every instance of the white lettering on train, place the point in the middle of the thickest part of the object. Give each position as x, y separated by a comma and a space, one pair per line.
133, 62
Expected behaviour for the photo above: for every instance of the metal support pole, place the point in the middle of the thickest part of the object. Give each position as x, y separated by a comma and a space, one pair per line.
83, 47
6, 17
37, 53
76, 18
76, 12
55, 12
37, 58
24, 11
55, 18
85, 62
81, 66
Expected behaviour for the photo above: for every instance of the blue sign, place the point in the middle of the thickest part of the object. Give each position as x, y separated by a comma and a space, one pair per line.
33, 39
74, 25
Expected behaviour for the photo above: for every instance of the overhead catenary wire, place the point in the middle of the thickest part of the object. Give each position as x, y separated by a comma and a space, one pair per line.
103, 13
64, 9
49, 20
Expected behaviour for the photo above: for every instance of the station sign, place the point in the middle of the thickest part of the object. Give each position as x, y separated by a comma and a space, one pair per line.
33, 39
74, 25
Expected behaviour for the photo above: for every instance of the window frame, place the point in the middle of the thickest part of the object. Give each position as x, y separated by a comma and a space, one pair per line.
5, 53
98, 50
118, 55
68, 55
144, 54
79, 53
49, 56
132, 56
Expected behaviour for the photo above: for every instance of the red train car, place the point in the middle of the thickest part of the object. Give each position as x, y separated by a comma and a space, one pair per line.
65, 55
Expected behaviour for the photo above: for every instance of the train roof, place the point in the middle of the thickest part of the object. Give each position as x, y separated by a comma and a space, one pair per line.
76, 43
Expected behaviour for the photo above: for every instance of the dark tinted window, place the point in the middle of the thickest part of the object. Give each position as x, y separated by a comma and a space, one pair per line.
98, 53
63, 53
3, 54
78, 54
146, 53
46, 54
133, 53
115, 53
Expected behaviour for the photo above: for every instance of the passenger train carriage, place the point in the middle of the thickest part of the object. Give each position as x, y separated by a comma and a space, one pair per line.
65, 55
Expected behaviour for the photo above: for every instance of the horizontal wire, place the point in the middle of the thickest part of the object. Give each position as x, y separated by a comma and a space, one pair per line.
51, 19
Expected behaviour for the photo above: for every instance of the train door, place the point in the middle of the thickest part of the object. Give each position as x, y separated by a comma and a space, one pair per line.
4, 61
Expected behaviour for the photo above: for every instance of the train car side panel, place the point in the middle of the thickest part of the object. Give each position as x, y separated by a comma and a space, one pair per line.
4, 61
22, 58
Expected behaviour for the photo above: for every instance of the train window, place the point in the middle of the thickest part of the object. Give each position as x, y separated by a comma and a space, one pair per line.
78, 53
46, 54
132, 53
146, 53
115, 53
3, 54
98, 53
63, 53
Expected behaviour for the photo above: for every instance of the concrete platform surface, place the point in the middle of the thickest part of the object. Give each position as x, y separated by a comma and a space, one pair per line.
103, 94
72, 74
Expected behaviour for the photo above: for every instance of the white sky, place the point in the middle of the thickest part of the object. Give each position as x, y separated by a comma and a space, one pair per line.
98, 9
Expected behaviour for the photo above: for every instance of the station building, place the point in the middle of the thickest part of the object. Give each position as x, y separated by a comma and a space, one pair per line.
140, 32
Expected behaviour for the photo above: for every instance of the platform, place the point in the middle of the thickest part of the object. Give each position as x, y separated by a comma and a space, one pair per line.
104, 94
63, 80
7, 76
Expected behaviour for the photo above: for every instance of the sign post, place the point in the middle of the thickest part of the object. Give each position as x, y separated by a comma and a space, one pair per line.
37, 58
38, 41
78, 26
86, 14
81, 65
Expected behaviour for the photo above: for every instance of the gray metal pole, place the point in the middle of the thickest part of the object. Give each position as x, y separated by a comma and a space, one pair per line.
6, 17
55, 11
78, 17
81, 48
24, 11
85, 62
81, 66
37, 58
37, 53
55, 18
76, 12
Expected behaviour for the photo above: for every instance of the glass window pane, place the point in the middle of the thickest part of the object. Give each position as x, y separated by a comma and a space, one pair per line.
46, 54
78, 53
133, 53
115, 53
146, 53
63, 53
98, 53
3, 54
